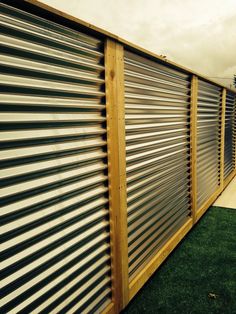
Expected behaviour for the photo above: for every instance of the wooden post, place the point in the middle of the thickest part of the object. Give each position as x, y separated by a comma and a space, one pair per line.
193, 145
114, 79
222, 139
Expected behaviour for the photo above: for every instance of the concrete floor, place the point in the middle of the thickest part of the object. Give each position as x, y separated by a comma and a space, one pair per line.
228, 197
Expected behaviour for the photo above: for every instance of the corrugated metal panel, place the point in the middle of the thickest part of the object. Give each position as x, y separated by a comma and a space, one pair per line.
54, 197
157, 104
234, 134
208, 140
229, 125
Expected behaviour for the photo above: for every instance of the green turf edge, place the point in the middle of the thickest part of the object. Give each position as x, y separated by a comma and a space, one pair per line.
203, 263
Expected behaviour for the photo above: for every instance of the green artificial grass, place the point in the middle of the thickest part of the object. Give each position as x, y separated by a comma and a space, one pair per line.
199, 277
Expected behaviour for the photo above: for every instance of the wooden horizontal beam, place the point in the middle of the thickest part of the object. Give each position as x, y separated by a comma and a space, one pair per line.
229, 179
207, 204
110, 309
158, 259
128, 44
71, 18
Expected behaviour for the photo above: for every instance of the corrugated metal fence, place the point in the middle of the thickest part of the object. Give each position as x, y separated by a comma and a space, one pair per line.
157, 108
54, 196
208, 140
86, 215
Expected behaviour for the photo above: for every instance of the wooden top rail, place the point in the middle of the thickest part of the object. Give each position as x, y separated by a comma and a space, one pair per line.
63, 18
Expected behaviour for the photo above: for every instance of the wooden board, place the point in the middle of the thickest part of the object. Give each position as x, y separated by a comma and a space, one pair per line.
104, 33
229, 179
110, 309
122, 291
114, 79
137, 283
207, 204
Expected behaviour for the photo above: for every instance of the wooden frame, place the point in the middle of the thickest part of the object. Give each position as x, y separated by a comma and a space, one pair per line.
123, 290
110, 309
101, 32
114, 79
229, 179
137, 283
193, 145
201, 211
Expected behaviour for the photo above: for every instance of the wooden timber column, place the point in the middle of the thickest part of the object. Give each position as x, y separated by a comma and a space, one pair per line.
222, 139
115, 105
193, 145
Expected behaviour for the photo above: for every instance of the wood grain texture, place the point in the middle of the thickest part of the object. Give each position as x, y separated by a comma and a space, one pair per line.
110, 309
114, 68
207, 204
122, 291
71, 18
128, 44
229, 179
159, 258
222, 138
193, 145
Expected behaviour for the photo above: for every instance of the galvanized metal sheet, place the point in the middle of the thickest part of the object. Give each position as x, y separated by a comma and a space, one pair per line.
234, 134
157, 113
208, 140
54, 197
229, 140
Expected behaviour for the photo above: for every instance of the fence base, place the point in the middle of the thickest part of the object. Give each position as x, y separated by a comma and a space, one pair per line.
137, 283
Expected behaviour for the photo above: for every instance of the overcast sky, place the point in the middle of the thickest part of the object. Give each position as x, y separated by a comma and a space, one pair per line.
199, 34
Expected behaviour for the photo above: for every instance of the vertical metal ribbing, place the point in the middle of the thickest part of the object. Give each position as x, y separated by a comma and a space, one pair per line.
222, 137
229, 129
234, 134
157, 112
193, 145
208, 140
54, 198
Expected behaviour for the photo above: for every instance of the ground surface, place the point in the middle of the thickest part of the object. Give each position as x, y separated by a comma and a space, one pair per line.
199, 277
228, 197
